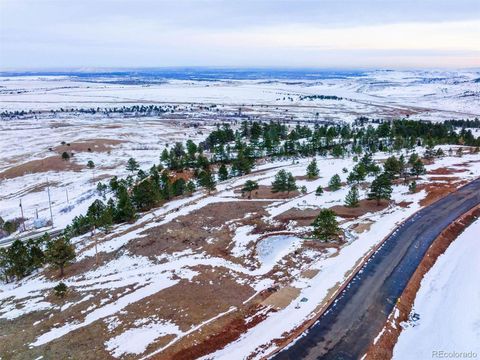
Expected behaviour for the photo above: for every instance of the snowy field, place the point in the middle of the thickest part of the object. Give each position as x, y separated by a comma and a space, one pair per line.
421, 94
447, 303
112, 140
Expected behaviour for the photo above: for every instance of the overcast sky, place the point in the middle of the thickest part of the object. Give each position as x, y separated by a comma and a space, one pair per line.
350, 34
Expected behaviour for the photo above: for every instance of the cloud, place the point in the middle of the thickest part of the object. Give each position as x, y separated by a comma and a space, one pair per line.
52, 33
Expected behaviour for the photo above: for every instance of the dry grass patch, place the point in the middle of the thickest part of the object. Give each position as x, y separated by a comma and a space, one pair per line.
204, 229
366, 206
51, 163
265, 192
92, 145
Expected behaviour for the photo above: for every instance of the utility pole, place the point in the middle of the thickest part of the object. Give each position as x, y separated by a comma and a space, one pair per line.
96, 250
23, 217
66, 192
49, 202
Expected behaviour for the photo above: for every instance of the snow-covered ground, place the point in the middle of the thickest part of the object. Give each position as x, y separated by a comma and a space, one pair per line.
433, 94
73, 190
137, 277
448, 304
127, 279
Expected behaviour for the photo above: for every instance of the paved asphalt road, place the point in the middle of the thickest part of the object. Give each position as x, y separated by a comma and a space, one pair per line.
8, 241
351, 324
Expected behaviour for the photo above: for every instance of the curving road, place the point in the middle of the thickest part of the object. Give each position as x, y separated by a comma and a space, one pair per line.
359, 313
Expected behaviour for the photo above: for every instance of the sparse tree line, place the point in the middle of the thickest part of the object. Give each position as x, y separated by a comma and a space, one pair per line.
227, 153
144, 110
320, 97
22, 258
325, 226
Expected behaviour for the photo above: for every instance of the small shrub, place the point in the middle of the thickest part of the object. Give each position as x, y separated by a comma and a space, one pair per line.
60, 290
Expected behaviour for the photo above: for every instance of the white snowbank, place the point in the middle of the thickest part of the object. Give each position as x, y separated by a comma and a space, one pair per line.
448, 303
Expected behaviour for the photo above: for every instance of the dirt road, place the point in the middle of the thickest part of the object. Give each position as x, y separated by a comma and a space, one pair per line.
347, 328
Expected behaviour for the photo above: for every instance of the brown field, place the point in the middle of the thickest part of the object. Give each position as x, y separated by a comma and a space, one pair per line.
366, 206
51, 163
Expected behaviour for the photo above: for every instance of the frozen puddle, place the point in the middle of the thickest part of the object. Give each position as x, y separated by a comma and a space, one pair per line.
273, 248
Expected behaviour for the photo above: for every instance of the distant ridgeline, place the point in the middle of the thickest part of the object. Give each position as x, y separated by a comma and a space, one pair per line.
320, 97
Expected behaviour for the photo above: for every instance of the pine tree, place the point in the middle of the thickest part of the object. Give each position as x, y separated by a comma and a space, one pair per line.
319, 191
5, 265
190, 187
60, 253
392, 167
335, 183
418, 168
291, 184
106, 219
36, 256
206, 180
352, 198
18, 258
166, 191
179, 187
145, 195
132, 165
325, 225
95, 211
312, 170
124, 210
222, 173
165, 157
279, 184
90, 164
381, 188
60, 290
412, 187
249, 186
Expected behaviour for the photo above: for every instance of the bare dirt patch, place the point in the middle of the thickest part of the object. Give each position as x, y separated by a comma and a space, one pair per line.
444, 178
91, 145
445, 171
365, 206
265, 192
362, 227
303, 217
204, 229
309, 273
305, 177
52, 163
436, 191
282, 298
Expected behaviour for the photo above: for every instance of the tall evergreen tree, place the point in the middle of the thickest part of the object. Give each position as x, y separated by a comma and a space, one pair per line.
291, 184
190, 187
249, 186
279, 184
312, 170
206, 180
381, 188
132, 165
222, 173
60, 253
352, 198
179, 187
335, 183
325, 225
124, 210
